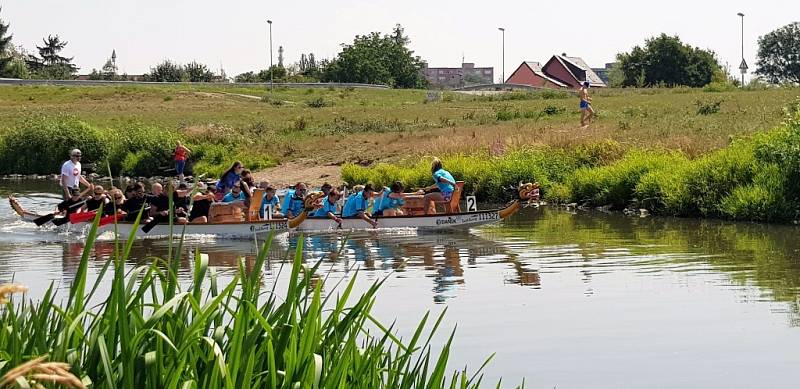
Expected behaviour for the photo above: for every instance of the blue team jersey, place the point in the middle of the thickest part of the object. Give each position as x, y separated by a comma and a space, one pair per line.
287, 199
230, 197
264, 203
327, 206
355, 203
386, 202
294, 204
444, 187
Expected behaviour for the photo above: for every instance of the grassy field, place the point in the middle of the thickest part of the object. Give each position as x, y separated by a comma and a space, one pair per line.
332, 126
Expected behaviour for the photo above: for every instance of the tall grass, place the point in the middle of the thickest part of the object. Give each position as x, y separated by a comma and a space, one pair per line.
754, 178
149, 330
39, 144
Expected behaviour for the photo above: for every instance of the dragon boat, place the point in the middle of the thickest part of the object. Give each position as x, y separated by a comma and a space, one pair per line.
249, 225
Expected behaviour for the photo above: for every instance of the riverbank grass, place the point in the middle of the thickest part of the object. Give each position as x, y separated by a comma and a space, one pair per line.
755, 178
335, 126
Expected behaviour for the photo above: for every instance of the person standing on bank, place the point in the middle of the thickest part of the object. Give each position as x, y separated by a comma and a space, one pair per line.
587, 112
181, 153
71, 177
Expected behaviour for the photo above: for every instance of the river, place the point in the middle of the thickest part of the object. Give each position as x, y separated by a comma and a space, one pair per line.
564, 299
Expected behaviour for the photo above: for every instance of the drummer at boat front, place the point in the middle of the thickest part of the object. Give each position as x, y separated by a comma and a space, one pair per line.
442, 190
293, 203
329, 207
357, 204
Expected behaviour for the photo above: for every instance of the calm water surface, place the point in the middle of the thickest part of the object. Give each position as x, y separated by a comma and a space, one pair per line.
565, 300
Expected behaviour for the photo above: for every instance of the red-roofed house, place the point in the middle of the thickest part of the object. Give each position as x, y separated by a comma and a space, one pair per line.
560, 71
530, 73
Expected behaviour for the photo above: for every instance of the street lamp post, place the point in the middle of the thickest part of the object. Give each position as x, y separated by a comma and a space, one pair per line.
271, 78
503, 70
743, 65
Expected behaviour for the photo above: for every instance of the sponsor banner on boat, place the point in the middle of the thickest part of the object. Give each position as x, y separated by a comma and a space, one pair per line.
266, 227
467, 219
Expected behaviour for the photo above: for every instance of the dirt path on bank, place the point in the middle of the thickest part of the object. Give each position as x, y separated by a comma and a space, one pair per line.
289, 173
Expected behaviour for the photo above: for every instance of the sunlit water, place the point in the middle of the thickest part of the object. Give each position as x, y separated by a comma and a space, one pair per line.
564, 300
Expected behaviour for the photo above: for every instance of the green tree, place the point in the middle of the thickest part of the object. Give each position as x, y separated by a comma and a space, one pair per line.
779, 55
278, 74
54, 66
197, 72
665, 60
109, 70
5, 44
17, 68
309, 67
377, 59
167, 71
246, 77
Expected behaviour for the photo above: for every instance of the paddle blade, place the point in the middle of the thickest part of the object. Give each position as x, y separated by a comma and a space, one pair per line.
149, 226
43, 219
60, 221
81, 217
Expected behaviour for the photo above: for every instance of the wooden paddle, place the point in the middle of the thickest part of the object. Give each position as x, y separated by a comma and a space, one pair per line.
46, 218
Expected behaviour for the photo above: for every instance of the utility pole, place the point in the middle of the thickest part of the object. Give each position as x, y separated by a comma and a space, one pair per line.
271, 78
743, 65
503, 70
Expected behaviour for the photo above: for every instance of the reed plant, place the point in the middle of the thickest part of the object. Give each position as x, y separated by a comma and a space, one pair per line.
150, 330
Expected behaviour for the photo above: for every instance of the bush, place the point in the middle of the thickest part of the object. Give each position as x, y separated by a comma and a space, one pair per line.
664, 191
490, 179
319, 102
214, 159
40, 144
714, 176
763, 200
717, 87
615, 184
140, 150
708, 107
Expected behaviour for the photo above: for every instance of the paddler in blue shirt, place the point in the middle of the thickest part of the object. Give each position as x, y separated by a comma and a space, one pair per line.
443, 188
390, 202
270, 199
329, 207
357, 204
293, 203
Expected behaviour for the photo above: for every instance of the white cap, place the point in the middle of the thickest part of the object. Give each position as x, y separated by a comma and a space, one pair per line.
75, 152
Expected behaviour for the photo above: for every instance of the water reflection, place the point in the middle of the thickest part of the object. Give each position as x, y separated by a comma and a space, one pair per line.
767, 256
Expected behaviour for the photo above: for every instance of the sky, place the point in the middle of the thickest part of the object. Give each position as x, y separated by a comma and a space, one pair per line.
234, 34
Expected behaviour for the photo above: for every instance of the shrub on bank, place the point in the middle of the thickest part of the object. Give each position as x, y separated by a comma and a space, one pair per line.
140, 150
756, 178
489, 178
615, 184
213, 159
39, 144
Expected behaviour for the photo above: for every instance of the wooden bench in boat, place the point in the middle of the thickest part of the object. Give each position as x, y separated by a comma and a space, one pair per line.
415, 204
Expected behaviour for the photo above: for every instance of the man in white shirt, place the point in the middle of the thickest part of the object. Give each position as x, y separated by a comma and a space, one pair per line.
71, 173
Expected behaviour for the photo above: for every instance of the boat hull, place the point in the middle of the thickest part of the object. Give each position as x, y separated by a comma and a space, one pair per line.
245, 230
